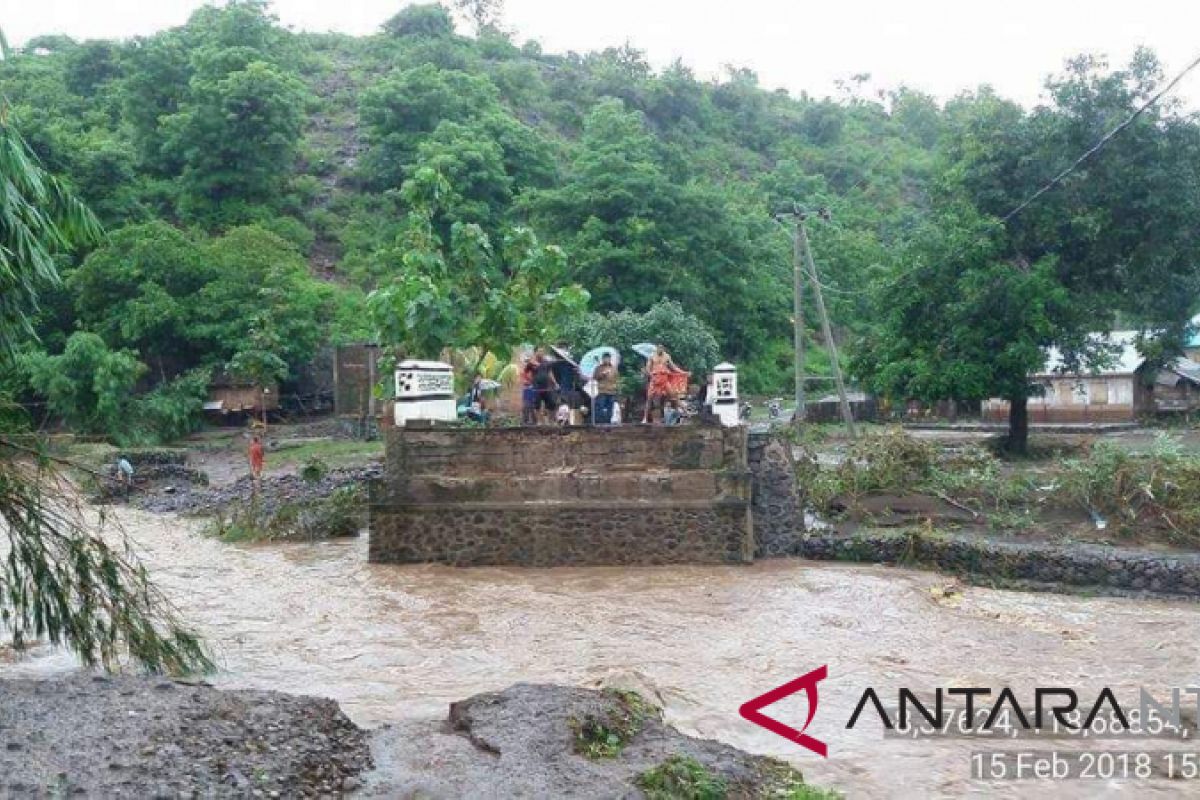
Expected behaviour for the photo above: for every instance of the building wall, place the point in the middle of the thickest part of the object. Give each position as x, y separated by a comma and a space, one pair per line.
1104, 398
558, 496
354, 379
245, 398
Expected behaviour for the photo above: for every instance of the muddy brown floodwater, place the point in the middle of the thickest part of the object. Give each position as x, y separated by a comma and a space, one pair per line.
393, 643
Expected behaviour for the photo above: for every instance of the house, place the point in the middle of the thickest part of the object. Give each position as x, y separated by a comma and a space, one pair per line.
230, 395
1177, 387
1120, 392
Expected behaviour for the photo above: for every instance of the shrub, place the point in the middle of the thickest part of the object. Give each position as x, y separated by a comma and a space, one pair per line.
172, 410
314, 470
1159, 489
604, 735
682, 778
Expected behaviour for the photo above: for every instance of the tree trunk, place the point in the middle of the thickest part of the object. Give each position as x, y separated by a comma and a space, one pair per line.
1018, 426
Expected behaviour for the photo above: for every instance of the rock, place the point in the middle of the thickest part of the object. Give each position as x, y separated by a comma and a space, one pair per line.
132, 737
536, 740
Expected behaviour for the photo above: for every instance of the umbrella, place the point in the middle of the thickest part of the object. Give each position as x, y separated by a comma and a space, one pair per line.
591, 360
564, 355
645, 349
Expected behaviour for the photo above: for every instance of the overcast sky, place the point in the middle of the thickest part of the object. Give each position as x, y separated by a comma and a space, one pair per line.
940, 46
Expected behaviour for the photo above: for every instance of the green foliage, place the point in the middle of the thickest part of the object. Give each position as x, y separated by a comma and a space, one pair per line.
237, 137
466, 293
187, 301
138, 290
691, 344
605, 733
682, 778
314, 470
257, 361
39, 219
430, 20
172, 409
1138, 493
88, 385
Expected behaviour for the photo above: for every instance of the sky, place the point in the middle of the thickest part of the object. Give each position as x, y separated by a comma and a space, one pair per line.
937, 46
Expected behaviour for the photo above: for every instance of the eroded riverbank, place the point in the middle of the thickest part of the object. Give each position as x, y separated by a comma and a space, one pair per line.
397, 644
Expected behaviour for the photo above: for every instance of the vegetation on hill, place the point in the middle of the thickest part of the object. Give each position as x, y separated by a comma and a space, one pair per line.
257, 179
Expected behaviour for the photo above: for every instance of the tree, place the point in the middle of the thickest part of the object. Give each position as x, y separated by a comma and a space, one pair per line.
138, 291
1113, 238
88, 385
259, 275
464, 293
237, 137
60, 580
401, 111
429, 20
637, 235
957, 320
258, 360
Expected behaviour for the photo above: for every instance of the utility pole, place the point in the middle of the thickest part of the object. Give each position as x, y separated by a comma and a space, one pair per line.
798, 322
802, 238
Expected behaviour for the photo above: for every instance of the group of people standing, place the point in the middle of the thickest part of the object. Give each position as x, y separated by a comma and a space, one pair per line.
551, 381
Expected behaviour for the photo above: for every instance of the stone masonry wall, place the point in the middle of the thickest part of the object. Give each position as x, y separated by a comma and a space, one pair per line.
557, 496
776, 503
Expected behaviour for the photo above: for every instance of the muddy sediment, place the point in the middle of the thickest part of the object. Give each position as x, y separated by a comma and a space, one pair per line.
129, 737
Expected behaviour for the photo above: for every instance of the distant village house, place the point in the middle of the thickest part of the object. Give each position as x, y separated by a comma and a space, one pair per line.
1120, 392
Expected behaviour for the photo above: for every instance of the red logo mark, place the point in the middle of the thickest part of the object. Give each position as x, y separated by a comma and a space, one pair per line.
751, 710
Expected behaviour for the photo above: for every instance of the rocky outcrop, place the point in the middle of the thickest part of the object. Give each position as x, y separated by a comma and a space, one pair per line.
94, 736
534, 740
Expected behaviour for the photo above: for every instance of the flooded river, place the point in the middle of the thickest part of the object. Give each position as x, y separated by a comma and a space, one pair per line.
393, 643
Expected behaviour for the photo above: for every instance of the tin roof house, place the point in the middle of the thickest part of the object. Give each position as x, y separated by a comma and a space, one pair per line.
1119, 392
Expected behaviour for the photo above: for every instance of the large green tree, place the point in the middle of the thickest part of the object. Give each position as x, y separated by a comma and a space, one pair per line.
463, 291
974, 304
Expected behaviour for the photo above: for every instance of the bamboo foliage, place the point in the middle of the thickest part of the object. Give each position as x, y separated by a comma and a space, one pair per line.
61, 580
39, 219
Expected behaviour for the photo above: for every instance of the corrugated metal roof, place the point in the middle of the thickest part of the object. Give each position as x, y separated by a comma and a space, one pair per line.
1187, 368
1126, 359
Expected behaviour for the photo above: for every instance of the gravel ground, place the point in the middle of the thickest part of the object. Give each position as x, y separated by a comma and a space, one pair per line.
129, 737
186, 498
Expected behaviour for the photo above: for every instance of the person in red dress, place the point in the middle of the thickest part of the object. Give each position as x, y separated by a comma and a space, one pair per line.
257, 458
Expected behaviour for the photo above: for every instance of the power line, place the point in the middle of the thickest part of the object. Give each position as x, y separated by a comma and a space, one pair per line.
1103, 141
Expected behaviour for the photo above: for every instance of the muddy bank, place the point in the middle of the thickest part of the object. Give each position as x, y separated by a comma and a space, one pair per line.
127, 737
